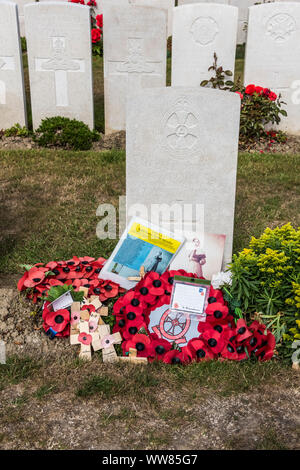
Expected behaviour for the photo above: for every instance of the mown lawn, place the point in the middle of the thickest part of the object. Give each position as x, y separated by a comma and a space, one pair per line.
69, 404
49, 200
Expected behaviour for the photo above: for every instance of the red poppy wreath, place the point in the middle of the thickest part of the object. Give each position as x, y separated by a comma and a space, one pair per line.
222, 336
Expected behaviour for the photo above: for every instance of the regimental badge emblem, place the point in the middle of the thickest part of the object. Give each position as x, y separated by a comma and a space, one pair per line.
204, 30
280, 27
181, 129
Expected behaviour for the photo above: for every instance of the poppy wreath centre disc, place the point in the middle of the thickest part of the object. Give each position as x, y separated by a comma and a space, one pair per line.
146, 323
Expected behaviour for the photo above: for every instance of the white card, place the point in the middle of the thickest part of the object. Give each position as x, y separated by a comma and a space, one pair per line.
64, 301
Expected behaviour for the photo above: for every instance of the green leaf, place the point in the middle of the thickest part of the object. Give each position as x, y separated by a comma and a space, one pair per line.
204, 83
27, 267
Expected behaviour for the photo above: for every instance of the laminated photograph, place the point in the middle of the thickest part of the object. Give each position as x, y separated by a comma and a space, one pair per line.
142, 246
202, 254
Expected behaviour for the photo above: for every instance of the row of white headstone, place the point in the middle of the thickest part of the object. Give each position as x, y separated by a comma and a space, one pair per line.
242, 6
60, 66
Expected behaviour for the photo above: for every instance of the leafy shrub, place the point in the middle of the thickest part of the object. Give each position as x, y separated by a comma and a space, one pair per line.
260, 106
266, 283
17, 131
65, 133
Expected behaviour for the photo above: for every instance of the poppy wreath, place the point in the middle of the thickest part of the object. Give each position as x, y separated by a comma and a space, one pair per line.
76, 272
222, 336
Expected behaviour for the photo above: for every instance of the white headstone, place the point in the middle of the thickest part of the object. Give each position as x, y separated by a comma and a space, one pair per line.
135, 50
21, 4
12, 96
60, 61
2, 353
187, 2
165, 4
199, 31
181, 148
275, 64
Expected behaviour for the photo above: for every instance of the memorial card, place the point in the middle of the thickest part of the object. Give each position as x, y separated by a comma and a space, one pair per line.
141, 245
190, 295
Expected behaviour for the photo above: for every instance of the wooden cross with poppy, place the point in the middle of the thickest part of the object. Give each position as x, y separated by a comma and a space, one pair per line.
106, 342
85, 322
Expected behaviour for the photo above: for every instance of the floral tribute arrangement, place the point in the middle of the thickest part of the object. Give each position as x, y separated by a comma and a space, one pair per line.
224, 334
49, 281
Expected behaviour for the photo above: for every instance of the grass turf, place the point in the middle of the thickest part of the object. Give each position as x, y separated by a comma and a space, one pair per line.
49, 200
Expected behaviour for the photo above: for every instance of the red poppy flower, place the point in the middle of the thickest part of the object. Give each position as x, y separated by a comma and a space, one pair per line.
242, 331
216, 311
266, 351
120, 325
51, 265
135, 302
215, 295
96, 35
57, 320
91, 3
199, 350
34, 276
154, 284
108, 290
160, 346
22, 280
176, 357
240, 94
85, 338
250, 89
91, 308
132, 328
141, 343
229, 352
214, 340
143, 293
99, 21
119, 306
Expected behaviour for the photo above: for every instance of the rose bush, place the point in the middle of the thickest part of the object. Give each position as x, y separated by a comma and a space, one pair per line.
97, 27
260, 106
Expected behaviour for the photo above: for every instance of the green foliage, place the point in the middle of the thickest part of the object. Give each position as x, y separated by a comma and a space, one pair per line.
257, 111
23, 45
65, 133
221, 79
57, 291
17, 131
259, 107
266, 282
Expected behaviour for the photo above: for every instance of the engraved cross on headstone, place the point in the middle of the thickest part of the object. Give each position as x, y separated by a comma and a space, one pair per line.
6, 63
136, 65
60, 65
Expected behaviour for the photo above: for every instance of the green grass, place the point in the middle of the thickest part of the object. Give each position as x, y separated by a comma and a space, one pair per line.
49, 201
18, 369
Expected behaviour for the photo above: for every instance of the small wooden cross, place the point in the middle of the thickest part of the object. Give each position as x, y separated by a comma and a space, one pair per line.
138, 278
132, 357
88, 324
106, 342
